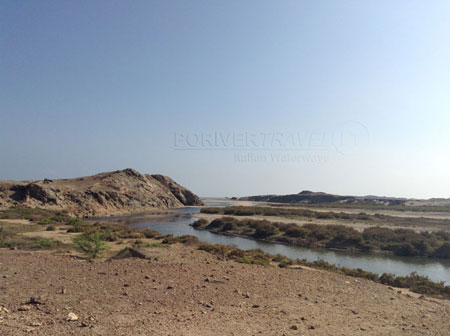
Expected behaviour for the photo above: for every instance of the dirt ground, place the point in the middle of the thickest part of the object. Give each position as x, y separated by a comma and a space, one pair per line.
417, 221
183, 291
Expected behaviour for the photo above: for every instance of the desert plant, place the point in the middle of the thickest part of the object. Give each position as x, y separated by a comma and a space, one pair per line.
90, 244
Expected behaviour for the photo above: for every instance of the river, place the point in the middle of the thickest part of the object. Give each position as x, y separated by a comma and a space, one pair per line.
177, 222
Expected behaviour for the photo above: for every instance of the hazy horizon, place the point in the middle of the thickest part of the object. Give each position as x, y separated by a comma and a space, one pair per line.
231, 98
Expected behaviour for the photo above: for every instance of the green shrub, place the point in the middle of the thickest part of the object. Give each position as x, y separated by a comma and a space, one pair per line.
44, 243
443, 251
264, 229
402, 242
253, 261
45, 221
210, 210
149, 233
90, 244
200, 223
75, 221
297, 232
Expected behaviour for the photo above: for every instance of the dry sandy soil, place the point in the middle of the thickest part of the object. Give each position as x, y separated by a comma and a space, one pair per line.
183, 291
418, 221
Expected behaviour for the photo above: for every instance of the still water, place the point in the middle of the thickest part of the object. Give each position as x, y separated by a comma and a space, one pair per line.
178, 223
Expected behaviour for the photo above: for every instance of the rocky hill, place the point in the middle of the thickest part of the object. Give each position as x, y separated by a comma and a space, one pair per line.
310, 197
104, 194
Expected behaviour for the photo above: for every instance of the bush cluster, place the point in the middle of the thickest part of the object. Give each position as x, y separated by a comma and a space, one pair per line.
289, 212
41, 216
401, 242
110, 231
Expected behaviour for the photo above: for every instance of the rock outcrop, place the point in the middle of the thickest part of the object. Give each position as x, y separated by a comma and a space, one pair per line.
184, 195
104, 194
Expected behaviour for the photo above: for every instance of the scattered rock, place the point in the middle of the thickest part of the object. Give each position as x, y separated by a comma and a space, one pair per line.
36, 300
24, 308
294, 327
72, 317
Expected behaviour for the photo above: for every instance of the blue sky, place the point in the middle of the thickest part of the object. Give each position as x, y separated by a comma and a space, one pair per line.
91, 86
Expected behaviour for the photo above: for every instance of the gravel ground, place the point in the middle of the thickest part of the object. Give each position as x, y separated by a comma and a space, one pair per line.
183, 291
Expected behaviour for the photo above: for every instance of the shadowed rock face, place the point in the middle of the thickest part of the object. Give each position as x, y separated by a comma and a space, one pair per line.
112, 193
184, 195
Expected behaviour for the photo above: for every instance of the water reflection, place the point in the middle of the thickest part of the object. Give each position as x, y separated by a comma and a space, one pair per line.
178, 223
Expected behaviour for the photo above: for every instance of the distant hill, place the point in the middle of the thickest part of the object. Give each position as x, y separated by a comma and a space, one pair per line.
310, 197
104, 194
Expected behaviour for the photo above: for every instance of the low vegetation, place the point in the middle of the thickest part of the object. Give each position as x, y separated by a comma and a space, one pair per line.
401, 242
110, 231
40, 216
9, 238
92, 234
285, 212
91, 245
302, 212
414, 282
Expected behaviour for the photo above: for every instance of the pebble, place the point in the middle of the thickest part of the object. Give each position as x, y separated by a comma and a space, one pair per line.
24, 308
72, 317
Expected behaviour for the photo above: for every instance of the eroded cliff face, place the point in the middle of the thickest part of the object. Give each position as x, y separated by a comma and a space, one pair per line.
113, 193
184, 195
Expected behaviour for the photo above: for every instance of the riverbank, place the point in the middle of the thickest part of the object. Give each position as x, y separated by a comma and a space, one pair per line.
373, 239
183, 291
354, 218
